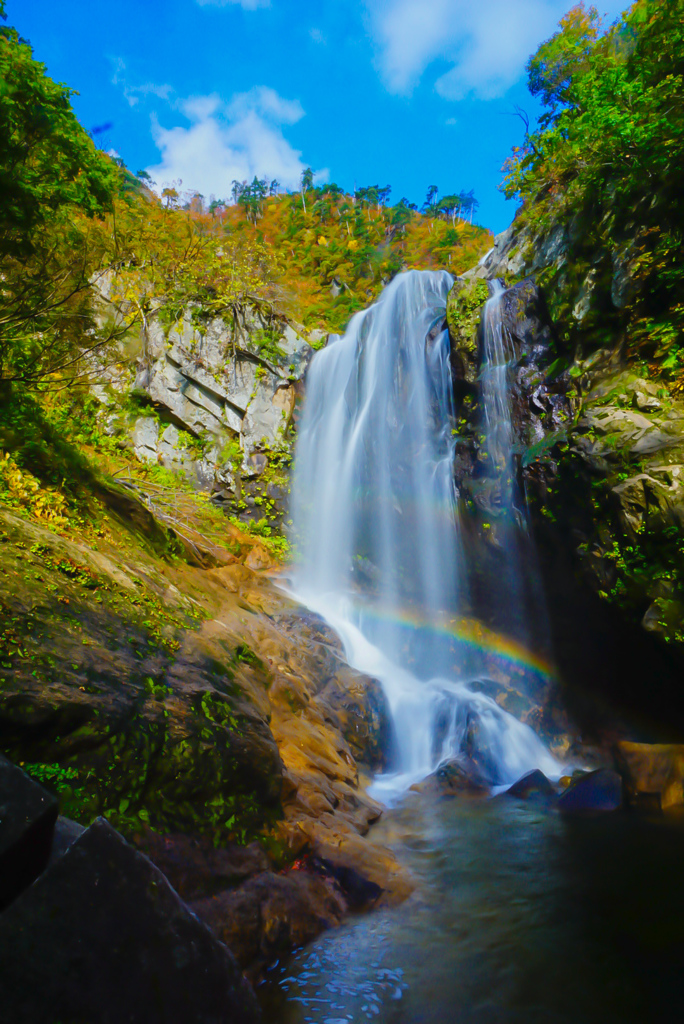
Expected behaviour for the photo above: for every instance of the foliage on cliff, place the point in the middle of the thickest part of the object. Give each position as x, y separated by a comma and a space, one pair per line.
606, 161
317, 255
336, 250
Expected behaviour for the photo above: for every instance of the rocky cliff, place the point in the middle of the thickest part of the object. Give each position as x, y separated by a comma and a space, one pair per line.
600, 453
208, 399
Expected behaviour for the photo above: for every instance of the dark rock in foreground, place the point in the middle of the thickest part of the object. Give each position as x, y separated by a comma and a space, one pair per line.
27, 819
596, 791
102, 938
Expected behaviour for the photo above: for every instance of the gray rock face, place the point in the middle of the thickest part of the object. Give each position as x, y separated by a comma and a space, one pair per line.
517, 251
102, 937
623, 286
219, 383
145, 436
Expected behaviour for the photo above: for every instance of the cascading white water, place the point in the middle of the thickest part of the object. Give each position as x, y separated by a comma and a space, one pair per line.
497, 356
517, 593
378, 546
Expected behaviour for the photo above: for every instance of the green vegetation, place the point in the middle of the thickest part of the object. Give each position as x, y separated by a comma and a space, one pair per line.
53, 185
606, 162
464, 312
336, 251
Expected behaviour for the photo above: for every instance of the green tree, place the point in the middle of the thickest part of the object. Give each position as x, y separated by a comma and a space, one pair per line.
609, 153
562, 58
53, 184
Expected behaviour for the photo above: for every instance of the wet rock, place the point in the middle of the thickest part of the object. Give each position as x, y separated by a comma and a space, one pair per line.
594, 791
457, 776
27, 819
653, 768
532, 784
271, 914
110, 941
359, 892
463, 314
195, 867
232, 577
259, 559
357, 706
339, 846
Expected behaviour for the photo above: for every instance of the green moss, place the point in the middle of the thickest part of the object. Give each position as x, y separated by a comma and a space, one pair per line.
464, 312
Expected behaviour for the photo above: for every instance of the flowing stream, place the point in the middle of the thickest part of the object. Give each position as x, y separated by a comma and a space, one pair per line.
521, 916
380, 554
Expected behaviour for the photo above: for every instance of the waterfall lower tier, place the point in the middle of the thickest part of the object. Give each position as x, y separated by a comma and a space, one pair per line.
379, 550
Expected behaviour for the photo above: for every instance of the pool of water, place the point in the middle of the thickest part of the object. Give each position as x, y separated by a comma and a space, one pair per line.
521, 916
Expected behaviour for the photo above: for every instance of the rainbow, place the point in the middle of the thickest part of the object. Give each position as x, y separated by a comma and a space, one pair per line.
471, 632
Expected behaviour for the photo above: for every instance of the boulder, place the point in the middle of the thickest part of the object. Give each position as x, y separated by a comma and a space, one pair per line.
340, 848
145, 436
600, 790
27, 819
272, 914
65, 835
195, 867
653, 768
457, 776
532, 784
102, 937
357, 706
259, 559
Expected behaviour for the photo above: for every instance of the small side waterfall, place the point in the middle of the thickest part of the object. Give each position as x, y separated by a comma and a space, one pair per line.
379, 552
517, 592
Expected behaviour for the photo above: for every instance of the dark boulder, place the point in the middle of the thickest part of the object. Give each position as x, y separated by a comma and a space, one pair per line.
532, 784
359, 892
195, 868
595, 791
460, 775
27, 819
101, 937
65, 835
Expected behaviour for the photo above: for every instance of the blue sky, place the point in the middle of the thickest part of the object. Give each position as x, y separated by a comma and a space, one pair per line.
402, 92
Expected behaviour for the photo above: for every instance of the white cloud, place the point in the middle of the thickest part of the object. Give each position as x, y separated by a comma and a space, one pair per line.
487, 41
249, 5
229, 141
267, 103
134, 93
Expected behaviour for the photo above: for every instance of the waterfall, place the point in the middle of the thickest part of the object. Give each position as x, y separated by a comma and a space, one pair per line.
379, 551
517, 599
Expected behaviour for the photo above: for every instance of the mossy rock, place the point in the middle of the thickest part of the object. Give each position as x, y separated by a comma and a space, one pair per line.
463, 314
